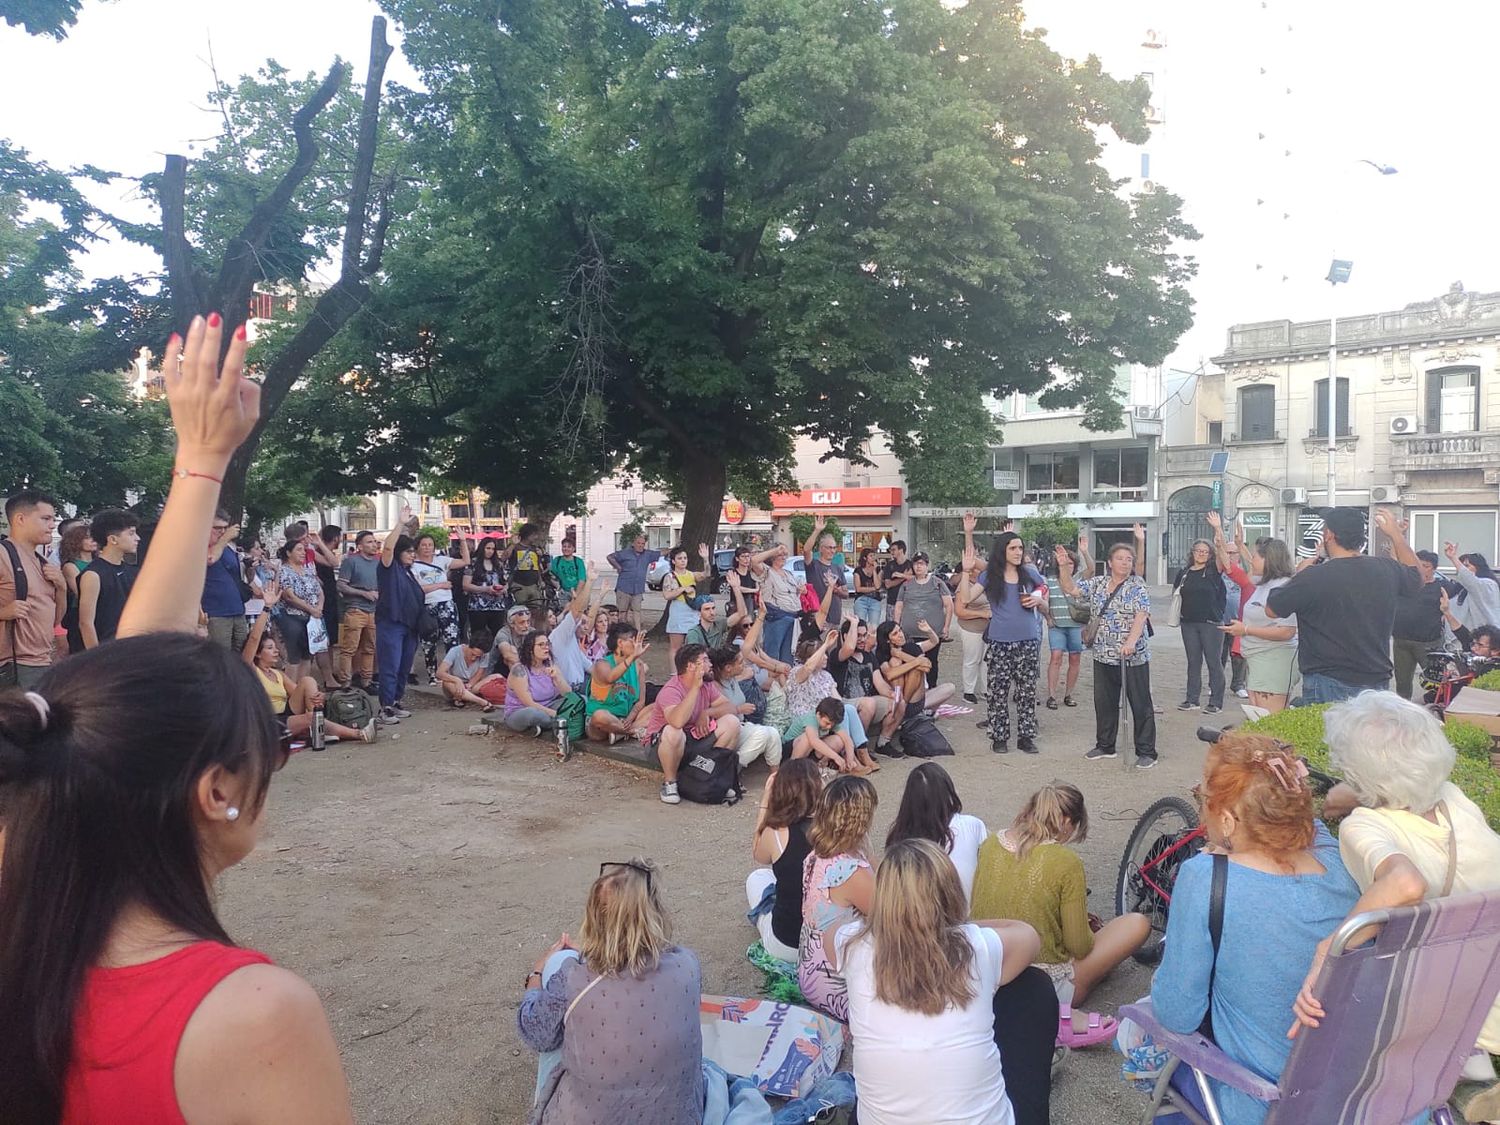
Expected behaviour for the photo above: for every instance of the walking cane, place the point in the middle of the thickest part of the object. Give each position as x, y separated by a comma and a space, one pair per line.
1125, 716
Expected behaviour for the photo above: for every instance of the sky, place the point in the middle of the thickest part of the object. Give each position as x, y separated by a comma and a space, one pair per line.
1402, 85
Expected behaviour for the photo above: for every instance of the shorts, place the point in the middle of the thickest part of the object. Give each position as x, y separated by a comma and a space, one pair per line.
883, 705
1272, 671
628, 603
1065, 638
694, 745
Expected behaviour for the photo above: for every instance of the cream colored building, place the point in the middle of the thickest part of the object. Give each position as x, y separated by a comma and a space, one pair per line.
1417, 425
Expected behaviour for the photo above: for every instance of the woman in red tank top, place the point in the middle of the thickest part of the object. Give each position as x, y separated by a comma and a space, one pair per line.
122, 999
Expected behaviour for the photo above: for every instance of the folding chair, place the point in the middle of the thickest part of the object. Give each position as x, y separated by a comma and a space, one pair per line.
1403, 1014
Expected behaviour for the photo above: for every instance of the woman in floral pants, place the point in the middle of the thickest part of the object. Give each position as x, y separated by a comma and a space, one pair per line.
1014, 590
1014, 666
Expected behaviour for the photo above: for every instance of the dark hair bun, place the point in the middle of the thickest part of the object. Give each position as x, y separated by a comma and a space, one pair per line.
21, 727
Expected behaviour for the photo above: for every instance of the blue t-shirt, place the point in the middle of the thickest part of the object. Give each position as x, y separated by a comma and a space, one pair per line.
1010, 620
1272, 926
221, 587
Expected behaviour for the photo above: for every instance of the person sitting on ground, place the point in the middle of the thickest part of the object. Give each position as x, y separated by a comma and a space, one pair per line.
76, 551
680, 589
121, 994
567, 632
1027, 871
926, 983
1284, 868
466, 670
811, 682
615, 1018
838, 885
1409, 835
536, 689
930, 810
518, 623
852, 666
615, 699
679, 722
905, 662
710, 631
757, 740
819, 735
104, 586
293, 701
780, 844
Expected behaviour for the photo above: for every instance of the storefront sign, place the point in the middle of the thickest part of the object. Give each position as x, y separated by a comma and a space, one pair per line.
734, 511
836, 498
1256, 522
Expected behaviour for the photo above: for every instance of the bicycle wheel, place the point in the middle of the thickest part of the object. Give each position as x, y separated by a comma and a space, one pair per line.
1162, 839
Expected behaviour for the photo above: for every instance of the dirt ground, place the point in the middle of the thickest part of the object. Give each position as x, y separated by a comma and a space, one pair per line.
413, 883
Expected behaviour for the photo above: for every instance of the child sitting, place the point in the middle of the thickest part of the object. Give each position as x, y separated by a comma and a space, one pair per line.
820, 734
1028, 873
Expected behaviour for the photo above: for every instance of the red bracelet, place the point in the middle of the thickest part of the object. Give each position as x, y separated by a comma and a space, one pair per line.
183, 474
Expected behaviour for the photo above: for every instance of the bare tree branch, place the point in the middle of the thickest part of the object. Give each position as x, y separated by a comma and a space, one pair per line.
364, 153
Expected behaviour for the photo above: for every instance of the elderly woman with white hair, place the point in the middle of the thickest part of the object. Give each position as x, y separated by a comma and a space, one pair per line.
1410, 834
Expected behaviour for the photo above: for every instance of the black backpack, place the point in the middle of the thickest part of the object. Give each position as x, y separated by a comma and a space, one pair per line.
920, 737
709, 776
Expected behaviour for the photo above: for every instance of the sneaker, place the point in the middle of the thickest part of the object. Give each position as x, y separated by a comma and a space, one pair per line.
536, 730
890, 749
389, 716
1068, 701
1186, 706
669, 793
983, 724
1027, 745
1242, 693
1000, 747
970, 697
1051, 704
1098, 754
1145, 763
1213, 709
401, 712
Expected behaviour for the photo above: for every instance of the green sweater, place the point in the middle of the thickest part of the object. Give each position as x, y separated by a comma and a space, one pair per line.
1046, 889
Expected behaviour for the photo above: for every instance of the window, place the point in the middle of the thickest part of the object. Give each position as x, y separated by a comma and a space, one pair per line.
1258, 413
1216, 433
1472, 529
1121, 473
1320, 408
1051, 476
360, 516
1453, 400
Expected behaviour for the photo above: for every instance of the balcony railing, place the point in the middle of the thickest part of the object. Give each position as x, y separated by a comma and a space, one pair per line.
1445, 451
1242, 439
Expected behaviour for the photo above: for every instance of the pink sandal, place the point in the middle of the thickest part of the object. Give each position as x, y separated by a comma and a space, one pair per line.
1101, 1029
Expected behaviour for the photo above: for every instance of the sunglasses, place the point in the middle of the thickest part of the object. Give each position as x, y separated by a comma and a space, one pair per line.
283, 748
611, 866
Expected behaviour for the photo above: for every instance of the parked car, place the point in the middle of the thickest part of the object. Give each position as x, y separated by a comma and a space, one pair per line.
657, 573
799, 568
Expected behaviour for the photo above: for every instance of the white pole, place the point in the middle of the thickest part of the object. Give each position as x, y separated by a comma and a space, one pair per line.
1333, 429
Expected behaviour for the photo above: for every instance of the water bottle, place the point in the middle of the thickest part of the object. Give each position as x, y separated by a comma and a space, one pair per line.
564, 738
317, 740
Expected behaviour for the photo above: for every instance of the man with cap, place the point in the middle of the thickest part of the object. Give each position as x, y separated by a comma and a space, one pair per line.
507, 650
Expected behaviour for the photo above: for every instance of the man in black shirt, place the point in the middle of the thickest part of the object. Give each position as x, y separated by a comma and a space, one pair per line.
104, 586
894, 575
852, 666
1346, 608
1419, 625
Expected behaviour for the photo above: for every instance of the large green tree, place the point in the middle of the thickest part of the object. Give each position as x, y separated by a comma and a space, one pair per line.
694, 229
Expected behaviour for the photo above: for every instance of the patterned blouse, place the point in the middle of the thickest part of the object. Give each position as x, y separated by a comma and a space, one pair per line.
1114, 626
303, 585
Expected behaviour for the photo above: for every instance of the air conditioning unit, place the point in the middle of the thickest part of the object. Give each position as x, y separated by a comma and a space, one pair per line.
1384, 494
1294, 496
1145, 412
1404, 424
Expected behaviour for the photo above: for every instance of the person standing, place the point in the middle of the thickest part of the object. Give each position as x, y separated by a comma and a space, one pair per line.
823, 573
1346, 608
431, 567
1014, 591
925, 597
104, 586
868, 603
972, 609
223, 601
569, 569
680, 588
1418, 628
630, 565
1064, 641
894, 575
484, 583
527, 570
1200, 588
75, 552
780, 598
33, 592
398, 610
1119, 607
359, 586
1269, 647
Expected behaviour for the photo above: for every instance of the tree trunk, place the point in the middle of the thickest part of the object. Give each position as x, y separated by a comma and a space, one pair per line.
704, 481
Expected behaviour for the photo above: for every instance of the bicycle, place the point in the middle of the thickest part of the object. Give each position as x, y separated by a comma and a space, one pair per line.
1166, 836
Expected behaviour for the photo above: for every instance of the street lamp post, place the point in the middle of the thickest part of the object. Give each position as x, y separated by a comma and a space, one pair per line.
1337, 272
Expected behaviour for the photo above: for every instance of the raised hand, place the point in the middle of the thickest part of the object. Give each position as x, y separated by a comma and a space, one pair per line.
213, 408
926, 628
1138, 530
407, 515
1215, 521
1064, 560
703, 552
1008, 525
1443, 599
970, 559
971, 521
1386, 522
1451, 550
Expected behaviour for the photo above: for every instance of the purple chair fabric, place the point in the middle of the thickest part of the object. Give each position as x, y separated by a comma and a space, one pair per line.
1403, 1015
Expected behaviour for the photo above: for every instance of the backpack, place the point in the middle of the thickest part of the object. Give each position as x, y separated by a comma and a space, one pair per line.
573, 710
920, 737
710, 775
348, 706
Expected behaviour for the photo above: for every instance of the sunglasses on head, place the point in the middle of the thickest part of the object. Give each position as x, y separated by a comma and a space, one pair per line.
615, 865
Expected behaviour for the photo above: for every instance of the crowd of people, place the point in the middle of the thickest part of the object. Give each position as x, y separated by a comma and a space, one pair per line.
958, 957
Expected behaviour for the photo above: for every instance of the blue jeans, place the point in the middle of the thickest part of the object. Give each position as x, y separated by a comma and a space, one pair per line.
776, 638
395, 649
1318, 688
869, 610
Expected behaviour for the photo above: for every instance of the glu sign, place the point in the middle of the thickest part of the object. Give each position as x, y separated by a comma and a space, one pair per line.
842, 499
827, 497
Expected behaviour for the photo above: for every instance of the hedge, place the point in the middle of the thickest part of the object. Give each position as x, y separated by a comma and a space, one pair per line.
1472, 772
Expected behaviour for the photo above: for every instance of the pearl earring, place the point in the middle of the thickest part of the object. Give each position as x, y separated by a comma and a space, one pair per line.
232, 813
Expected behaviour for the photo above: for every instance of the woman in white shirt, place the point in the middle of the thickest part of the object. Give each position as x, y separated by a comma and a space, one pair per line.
1268, 644
922, 984
431, 570
930, 810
